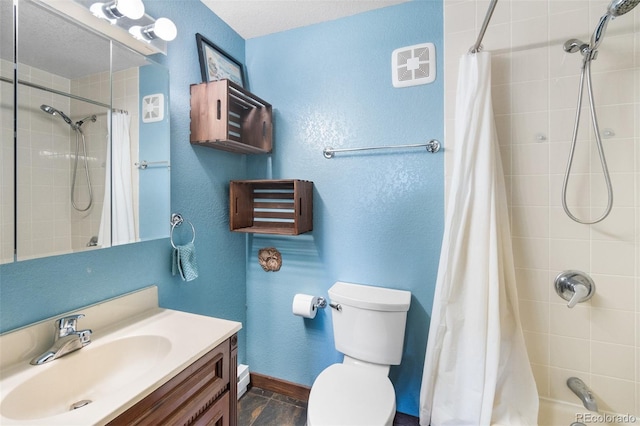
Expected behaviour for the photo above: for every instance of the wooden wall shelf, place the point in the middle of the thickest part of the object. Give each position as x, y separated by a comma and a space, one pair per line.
282, 207
225, 116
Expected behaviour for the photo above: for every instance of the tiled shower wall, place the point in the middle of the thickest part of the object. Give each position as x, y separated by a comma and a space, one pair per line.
43, 162
7, 218
535, 87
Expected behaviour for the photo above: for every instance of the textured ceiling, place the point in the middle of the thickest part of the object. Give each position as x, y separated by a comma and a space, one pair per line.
255, 18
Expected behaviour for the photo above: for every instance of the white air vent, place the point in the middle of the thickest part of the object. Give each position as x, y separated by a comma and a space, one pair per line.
153, 108
413, 65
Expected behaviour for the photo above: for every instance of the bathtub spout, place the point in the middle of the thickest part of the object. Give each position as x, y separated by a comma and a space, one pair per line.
584, 393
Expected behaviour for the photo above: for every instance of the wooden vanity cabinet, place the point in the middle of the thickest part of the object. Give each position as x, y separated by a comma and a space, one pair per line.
204, 393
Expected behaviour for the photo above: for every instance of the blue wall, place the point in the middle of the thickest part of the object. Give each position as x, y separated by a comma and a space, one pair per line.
378, 217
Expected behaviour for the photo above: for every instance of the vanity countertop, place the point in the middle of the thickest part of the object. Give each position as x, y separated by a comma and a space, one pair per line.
125, 362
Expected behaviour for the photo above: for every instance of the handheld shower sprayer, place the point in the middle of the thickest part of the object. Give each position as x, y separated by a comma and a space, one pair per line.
616, 8
79, 138
51, 110
590, 52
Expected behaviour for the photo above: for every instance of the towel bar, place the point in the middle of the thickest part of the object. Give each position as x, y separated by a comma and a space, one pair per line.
432, 146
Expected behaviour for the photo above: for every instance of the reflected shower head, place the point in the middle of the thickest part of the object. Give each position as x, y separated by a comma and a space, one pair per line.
620, 7
51, 110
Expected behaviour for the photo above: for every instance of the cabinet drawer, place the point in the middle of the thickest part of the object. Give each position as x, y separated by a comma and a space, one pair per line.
217, 414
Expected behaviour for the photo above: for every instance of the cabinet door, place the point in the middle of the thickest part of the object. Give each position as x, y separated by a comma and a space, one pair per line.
183, 399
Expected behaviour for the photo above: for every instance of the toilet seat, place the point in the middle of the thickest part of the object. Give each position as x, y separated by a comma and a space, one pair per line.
348, 395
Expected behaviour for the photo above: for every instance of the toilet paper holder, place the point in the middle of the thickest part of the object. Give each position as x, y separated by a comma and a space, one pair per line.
322, 303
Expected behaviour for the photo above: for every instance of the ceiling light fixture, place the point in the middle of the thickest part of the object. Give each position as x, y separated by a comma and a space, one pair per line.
116, 9
162, 28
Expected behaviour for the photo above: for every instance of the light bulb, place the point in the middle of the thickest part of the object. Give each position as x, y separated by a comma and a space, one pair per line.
112, 11
132, 9
163, 28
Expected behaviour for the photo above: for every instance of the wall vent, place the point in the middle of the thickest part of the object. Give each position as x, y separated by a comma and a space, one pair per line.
413, 65
153, 108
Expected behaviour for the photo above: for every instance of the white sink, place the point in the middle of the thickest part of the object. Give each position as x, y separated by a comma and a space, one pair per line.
86, 375
126, 361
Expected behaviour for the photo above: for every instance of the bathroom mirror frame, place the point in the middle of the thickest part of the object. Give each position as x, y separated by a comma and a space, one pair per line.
123, 81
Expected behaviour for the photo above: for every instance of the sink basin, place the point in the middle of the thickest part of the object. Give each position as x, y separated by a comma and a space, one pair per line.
83, 377
136, 347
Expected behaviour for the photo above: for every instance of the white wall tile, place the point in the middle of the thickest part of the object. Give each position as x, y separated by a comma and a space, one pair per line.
614, 292
533, 284
569, 322
613, 258
611, 360
530, 222
569, 353
612, 326
569, 254
614, 395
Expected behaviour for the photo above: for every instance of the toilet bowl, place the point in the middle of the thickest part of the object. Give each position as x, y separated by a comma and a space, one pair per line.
350, 395
368, 325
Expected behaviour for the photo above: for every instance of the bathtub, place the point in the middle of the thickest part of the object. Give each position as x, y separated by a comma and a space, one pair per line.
556, 413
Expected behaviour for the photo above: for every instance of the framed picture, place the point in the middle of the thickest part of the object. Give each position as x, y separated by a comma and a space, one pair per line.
216, 64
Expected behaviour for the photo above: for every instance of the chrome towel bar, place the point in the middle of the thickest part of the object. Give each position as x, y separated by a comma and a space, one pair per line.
432, 146
144, 164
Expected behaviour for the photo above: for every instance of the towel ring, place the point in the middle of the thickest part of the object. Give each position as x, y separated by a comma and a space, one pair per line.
177, 220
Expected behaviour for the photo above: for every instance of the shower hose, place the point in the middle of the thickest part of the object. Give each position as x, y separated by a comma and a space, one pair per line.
586, 72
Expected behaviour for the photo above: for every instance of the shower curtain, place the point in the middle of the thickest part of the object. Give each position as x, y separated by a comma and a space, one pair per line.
476, 368
117, 222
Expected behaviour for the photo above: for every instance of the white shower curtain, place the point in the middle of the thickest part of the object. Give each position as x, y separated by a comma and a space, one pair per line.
476, 369
117, 221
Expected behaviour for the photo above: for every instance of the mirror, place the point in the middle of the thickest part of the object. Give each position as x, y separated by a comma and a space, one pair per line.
90, 162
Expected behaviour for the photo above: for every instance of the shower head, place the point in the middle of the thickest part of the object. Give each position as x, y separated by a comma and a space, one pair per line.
51, 110
616, 8
620, 7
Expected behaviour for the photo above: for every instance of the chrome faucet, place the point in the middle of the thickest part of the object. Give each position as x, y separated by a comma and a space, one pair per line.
584, 393
67, 339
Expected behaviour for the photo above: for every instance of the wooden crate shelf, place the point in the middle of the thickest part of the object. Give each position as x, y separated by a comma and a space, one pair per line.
282, 207
227, 117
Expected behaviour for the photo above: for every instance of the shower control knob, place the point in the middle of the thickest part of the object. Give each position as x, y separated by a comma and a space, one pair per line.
574, 287
580, 293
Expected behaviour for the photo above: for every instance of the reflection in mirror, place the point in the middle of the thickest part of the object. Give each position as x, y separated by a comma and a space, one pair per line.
7, 153
78, 112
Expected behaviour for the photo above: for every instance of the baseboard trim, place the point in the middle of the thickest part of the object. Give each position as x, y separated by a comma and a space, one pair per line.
273, 384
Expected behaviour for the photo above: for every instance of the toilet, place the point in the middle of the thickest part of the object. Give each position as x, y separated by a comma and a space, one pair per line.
368, 328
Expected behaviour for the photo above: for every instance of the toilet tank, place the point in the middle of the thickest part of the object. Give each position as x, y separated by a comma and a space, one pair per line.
370, 323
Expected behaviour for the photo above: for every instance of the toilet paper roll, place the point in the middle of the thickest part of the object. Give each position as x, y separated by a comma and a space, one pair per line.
304, 305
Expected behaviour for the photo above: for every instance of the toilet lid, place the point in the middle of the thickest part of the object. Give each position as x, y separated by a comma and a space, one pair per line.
347, 395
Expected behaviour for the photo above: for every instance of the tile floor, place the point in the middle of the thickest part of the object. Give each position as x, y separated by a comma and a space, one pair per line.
259, 407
